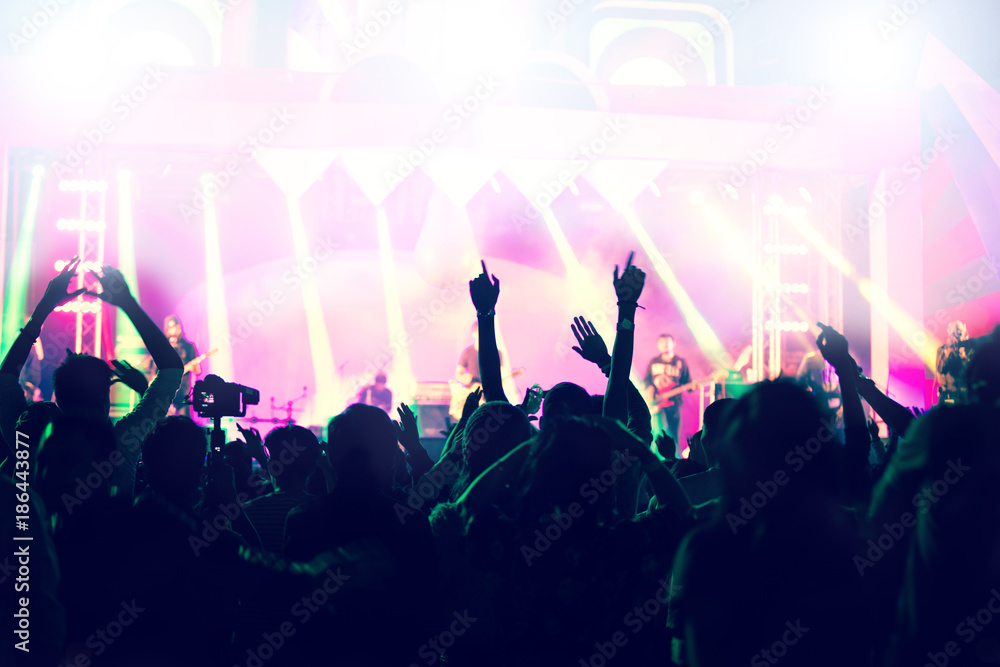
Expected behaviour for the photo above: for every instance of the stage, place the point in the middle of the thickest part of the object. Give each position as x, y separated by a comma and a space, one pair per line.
318, 220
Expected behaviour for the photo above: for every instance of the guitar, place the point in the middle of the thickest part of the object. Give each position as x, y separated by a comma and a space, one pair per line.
197, 360
665, 399
459, 392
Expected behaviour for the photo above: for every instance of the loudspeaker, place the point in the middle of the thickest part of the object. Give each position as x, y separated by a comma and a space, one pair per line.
431, 419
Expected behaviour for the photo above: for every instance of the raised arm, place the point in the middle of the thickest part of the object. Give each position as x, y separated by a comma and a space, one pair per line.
627, 289
115, 291
833, 345
55, 295
593, 348
409, 437
892, 413
155, 401
484, 294
12, 402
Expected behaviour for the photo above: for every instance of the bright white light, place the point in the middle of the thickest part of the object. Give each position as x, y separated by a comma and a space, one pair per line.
863, 57
787, 326
805, 195
83, 267
471, 37
73, 56
496, 184
647, 72
655, 190
73, 225
697, 197
38, 170
151, 47
573, 188
83, 186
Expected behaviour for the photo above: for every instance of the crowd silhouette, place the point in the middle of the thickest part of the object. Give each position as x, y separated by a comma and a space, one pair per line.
793, 534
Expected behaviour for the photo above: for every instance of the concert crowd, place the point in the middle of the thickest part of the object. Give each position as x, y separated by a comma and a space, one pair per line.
555, 529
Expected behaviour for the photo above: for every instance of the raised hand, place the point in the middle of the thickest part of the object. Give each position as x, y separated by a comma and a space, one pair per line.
591, 346
406, 428
666, 446
55, 293
129, 376
114, 289
484, 292
255, 445
471, 403
833, 346
532, 401
629, 286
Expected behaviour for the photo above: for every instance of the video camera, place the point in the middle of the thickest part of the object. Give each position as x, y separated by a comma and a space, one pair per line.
213, 397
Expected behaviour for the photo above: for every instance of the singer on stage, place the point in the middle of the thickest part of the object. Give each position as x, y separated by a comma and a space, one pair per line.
952, 361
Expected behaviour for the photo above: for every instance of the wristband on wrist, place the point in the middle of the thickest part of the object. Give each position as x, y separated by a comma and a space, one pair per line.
490, 313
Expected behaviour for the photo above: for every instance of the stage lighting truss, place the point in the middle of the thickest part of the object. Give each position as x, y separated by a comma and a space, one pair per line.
73, 225
793, 286
89, 226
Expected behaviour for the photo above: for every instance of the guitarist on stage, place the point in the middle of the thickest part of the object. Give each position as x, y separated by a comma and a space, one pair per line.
664, 372
467, 371
174, 330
